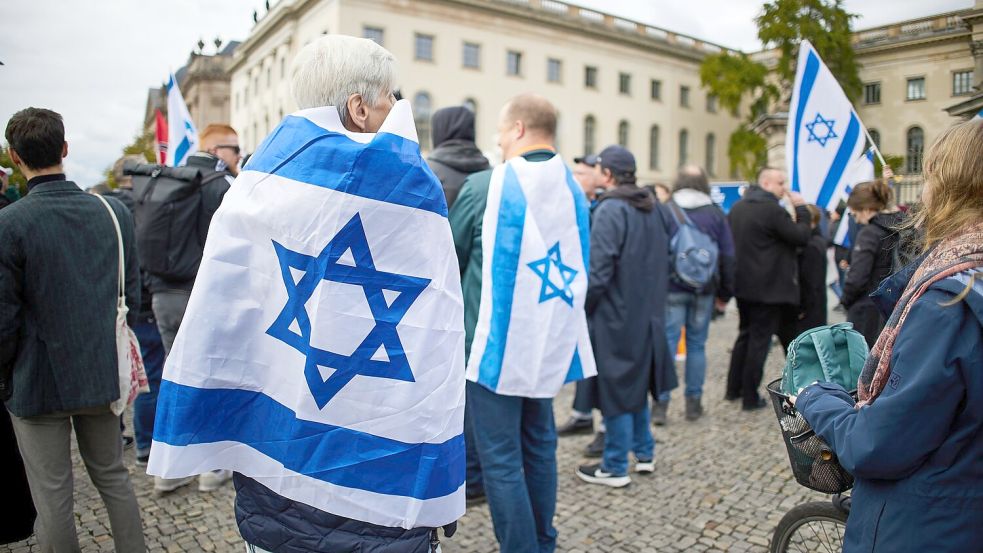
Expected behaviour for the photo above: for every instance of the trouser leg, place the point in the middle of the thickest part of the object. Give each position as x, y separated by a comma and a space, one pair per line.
539, 464
169, 307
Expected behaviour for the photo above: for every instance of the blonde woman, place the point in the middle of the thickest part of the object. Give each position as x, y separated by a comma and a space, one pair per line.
914, 441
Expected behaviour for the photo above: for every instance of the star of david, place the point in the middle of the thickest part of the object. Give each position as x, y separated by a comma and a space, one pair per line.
549, 290
389, 297
819, 137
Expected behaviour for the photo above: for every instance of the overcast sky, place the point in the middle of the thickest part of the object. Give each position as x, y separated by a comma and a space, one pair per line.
93, 60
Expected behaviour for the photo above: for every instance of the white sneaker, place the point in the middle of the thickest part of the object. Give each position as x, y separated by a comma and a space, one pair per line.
168, 485
593, 474
211, 481
645, 467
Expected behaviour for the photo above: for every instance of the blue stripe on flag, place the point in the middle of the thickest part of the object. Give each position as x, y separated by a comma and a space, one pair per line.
333, 454
843, 156
302, 151
505, 265
576, 371
583, 216
805, 89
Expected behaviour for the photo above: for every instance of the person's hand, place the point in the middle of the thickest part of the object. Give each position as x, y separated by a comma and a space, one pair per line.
796, 198
844, 265
720, 304
791, 399
886, 172
834, 216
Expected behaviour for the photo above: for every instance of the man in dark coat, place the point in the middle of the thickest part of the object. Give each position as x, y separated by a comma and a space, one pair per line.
813, 263
626, 308
767, 284
455, 155
58, 364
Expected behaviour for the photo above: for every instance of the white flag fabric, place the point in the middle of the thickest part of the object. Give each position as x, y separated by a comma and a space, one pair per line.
979, 115
824, 133
531, 335
182, 136
322, 352
861, 170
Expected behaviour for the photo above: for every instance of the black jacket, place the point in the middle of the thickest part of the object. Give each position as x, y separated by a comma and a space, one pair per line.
280, 525
455, 155
871, 257
212, 194
766, 240
58, 290
146, 313
812, 278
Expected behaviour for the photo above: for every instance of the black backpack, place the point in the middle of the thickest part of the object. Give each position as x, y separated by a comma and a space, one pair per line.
167, 215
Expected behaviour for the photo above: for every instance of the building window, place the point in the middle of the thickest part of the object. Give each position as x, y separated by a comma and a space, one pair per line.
624, 84
471, 55
654, 147
962, 83
513, 63
269, 77
554, 70
683, 147
711, 103
916, 88
872, 93
623, 134
684, 96
422, 106
916, 147
875, 136
711, 160
283, 67
375, 34
589, 127
655, 89
424, 47
590, 77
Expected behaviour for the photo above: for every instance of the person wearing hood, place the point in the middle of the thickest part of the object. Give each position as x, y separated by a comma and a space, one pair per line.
766, 285
813, 265
872, 256
626, 308
455, 155
690, 308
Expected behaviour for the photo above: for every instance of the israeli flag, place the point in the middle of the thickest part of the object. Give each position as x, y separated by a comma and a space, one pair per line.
531, 336
182, 137
861, 170
824, 133
322, 352
979, 115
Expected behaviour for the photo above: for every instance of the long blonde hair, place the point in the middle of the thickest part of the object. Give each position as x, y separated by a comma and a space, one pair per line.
952, 195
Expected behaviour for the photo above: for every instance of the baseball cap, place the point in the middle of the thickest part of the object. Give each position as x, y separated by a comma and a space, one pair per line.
589, 159
618, 159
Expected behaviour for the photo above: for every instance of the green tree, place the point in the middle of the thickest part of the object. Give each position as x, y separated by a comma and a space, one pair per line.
17, 180
737, 80
143, 144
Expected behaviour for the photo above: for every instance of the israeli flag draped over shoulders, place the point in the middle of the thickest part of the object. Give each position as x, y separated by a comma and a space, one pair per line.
824, 134
531, 335
182, 136
322, 352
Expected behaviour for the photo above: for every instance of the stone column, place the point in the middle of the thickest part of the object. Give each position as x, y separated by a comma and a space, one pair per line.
772, 127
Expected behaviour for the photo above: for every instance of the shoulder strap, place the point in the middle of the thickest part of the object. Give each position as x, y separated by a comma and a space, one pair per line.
678, 214
214, 177
119, 243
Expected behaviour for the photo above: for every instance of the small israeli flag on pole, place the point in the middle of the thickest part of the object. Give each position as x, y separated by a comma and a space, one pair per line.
182, 136
861, 170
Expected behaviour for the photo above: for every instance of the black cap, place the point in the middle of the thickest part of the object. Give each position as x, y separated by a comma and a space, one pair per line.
589, 159
618, 159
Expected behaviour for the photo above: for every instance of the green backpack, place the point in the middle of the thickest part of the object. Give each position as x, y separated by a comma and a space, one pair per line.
832, 353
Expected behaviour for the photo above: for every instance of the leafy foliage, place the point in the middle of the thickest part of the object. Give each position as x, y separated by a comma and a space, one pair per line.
894, 162
143, 144
747, 151
16, 180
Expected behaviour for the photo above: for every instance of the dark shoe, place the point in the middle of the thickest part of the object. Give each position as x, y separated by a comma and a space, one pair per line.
760, 404
694, 409
594, 474
575, 425
596, 447
475, 498
127, 442
659, 413
142, 460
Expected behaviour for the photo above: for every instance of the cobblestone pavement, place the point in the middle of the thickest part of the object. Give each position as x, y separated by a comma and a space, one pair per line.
721, 484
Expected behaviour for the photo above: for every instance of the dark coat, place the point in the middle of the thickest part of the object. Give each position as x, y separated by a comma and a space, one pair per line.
146, 313
766, 241
58, 289
711, 220
813, 264
871, 260
455, 155
280, 525
18, 523
626, 300
916, 452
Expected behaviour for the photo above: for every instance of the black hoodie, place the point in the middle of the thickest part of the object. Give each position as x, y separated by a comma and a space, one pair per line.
455, 155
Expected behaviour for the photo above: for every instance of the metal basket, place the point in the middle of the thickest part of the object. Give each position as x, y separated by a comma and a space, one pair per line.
813, 462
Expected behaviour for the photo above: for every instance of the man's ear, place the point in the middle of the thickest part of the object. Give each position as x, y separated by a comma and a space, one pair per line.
358, 113
14, 158
520, 129
64, 150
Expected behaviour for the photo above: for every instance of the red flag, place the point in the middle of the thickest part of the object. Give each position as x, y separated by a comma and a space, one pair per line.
161, 138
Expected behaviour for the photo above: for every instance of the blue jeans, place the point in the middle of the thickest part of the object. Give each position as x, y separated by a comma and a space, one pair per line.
627, 432
693, 311
516, 441
145, 405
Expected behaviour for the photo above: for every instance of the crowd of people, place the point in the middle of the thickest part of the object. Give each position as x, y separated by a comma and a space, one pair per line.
663, 259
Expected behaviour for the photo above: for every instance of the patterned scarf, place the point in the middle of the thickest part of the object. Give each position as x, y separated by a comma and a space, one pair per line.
952, 256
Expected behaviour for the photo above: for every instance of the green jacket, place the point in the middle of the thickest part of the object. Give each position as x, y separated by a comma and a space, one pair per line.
466, 218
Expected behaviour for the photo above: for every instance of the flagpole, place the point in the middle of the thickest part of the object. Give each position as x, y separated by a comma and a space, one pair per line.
872, 143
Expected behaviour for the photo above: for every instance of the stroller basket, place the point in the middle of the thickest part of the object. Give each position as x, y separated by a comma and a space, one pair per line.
813, 462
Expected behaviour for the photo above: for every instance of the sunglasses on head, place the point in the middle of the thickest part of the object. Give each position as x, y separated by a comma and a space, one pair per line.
233, 147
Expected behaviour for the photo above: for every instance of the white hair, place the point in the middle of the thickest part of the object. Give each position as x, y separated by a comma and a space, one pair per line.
330, 69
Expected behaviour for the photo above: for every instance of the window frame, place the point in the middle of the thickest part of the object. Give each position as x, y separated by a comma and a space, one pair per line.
684, 96
369, 30
655, 89
655, 137
518, 63
873, 86
624, 83
969, 73
417, 37
908, 82
910, 166
476, 48
558, 63
591, 81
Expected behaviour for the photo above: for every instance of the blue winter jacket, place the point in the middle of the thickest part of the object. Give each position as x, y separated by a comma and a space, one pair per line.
916, 451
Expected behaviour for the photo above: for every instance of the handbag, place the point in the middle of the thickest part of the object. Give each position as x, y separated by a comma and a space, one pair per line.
832, 353
132, 375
